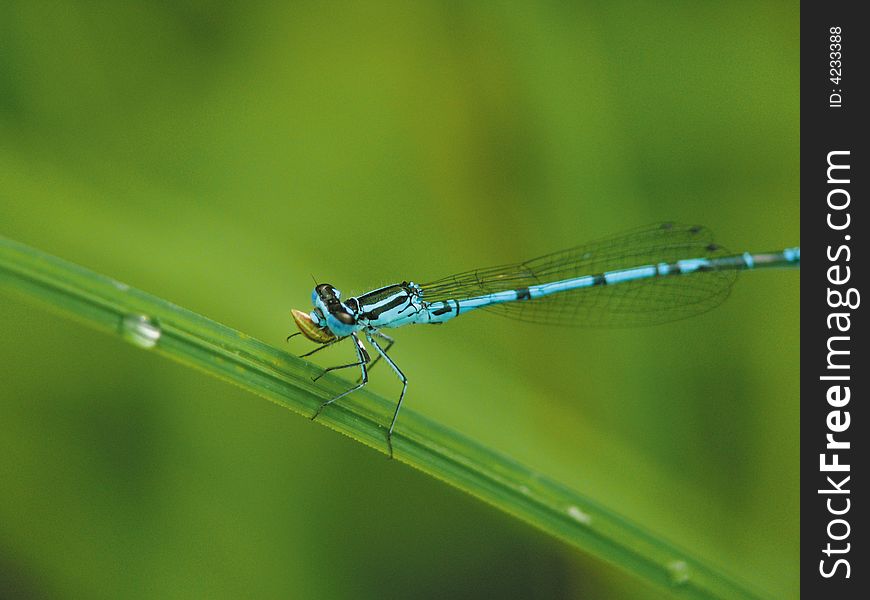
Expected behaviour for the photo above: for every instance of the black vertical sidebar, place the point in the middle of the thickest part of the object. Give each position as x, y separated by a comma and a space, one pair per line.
835, 562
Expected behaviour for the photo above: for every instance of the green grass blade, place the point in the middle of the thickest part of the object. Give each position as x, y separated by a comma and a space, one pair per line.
279, 376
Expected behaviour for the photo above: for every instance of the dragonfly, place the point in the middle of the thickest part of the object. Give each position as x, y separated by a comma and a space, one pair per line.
647, 276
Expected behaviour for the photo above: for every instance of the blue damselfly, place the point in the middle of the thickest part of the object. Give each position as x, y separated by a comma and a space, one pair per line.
647, 276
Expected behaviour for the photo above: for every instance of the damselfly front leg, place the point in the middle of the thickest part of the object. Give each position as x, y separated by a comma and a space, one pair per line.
363, 357
319, 348
370, 337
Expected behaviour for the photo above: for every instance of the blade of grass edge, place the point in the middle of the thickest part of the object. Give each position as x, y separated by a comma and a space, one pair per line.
281, 377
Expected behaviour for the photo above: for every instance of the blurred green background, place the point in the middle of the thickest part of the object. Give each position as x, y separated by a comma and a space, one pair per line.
219, 155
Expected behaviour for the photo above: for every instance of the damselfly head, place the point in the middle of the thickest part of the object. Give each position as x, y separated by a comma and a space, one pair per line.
313, 331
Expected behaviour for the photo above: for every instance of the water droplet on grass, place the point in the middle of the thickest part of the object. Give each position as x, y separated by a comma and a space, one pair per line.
678, 572
141, 330
578, 515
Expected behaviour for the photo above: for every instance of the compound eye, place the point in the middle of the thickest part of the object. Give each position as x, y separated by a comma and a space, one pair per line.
343, 316
326, 292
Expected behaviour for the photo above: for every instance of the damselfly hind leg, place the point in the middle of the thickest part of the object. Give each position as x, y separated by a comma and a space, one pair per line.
363, 357
404, 380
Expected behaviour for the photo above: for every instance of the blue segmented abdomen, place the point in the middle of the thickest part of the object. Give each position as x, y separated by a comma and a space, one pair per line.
651, 275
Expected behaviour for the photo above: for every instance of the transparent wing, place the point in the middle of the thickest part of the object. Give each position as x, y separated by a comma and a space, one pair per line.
642, 302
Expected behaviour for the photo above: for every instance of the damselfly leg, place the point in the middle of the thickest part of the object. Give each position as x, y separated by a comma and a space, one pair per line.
402, 378
319, 348
390, 341
363, 357
363, 363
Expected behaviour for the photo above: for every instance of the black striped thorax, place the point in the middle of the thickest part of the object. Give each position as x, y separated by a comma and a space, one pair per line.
384, 306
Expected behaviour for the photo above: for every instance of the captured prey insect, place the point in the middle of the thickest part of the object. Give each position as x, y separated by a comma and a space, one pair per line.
650, 275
